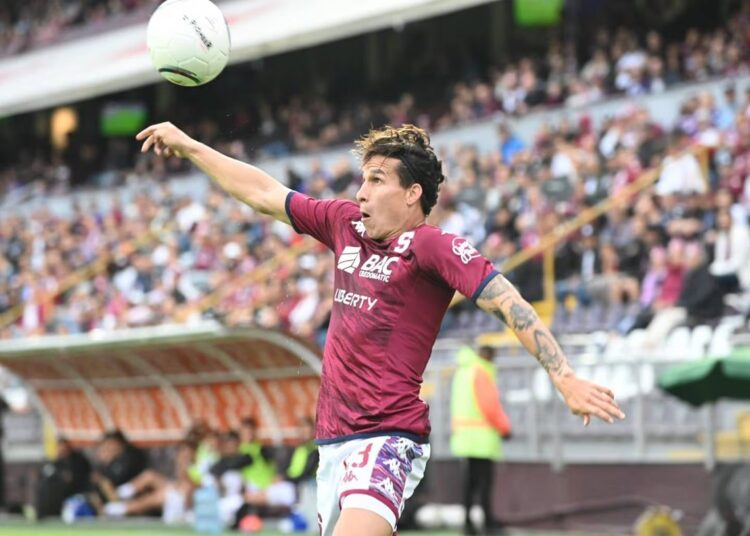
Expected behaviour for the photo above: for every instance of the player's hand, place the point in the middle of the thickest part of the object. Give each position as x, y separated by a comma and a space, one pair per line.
166, 139
585, 399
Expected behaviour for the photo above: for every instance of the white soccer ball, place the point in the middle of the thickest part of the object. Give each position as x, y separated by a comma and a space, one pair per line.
189, 41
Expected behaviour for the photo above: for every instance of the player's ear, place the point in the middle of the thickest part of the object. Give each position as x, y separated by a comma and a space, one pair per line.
413, 194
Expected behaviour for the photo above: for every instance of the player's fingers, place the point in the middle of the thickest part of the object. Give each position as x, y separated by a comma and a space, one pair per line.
610, 405
146, 132
168, 152
148, 143
595, 408
609, 409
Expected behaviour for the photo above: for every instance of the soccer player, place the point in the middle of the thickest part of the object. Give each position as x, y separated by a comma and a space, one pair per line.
395, 277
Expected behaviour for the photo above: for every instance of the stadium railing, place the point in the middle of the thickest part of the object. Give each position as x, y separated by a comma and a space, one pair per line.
658, 427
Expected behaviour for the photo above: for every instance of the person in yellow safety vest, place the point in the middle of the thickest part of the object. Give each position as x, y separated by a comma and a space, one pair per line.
303, 462
478, 425
261, 472
206, 455
289, 489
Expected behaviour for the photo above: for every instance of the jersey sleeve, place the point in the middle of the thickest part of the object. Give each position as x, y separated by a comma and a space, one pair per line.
455, 261
315, 217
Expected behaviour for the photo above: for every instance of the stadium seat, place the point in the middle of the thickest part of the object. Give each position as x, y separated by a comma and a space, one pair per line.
622, 381
700, 338
647, 378
615, 350
720, 342
541, 386
634, 343
677, 345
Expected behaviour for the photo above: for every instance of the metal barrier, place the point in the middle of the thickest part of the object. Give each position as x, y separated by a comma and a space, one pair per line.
658, 428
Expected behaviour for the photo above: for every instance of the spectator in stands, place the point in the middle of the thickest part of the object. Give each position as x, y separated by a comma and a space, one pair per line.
731, 264
700, 300
681, 173
478, 424
509, 143
615, 287
701, 296
68, 474
580, 267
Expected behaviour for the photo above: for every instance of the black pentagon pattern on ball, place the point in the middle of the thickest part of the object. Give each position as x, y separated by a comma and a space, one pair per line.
181, 72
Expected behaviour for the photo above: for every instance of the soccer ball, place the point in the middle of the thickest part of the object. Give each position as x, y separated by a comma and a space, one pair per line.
189, 41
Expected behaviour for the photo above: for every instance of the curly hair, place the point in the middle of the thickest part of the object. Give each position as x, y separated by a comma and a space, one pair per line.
411, 146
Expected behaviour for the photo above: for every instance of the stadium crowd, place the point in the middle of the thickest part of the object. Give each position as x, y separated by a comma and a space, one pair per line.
628, 266
246, 479
503, 200
619, 62
612, 63
26, 24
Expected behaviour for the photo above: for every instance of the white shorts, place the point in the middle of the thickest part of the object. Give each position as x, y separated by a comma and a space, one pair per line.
376, 474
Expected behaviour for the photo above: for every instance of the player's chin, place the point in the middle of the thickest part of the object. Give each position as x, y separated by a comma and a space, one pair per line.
371, 230
374, 233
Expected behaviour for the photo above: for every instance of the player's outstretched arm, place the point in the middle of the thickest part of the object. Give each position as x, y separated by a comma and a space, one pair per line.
584, 398
247, 183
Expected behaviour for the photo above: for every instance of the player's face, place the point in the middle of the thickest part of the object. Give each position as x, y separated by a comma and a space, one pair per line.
384, 203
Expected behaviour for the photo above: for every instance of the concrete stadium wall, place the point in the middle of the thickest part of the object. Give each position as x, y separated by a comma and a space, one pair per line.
522, 489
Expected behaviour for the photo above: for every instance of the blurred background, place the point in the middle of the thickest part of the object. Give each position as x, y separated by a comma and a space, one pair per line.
596, 150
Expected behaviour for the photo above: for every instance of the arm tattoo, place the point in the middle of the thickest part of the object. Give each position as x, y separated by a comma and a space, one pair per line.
497, 292
547, 353
523, 316
497, 287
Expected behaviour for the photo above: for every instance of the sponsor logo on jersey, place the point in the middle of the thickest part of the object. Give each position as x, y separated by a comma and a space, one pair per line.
378, 268
352, 299
464, 250
359, 227
349, 259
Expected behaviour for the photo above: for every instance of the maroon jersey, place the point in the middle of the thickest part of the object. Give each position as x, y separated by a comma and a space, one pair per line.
389, 300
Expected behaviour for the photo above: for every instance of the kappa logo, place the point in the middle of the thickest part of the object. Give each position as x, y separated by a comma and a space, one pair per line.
349, 259
463, 249
359, 227
378, 268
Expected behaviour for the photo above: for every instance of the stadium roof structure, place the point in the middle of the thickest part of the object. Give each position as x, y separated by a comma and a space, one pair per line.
154, 383
119, 60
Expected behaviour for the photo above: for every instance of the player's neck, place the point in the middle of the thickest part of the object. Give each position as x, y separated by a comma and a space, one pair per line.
411, 222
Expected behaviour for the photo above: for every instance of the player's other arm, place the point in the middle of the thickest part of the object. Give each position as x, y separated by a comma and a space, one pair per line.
247, 183
584, 398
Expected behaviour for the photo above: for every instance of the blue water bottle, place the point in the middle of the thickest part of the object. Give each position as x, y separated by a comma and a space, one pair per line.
206, 508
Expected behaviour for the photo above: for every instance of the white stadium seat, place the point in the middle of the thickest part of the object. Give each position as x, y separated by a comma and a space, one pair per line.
677, 345
700, 338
